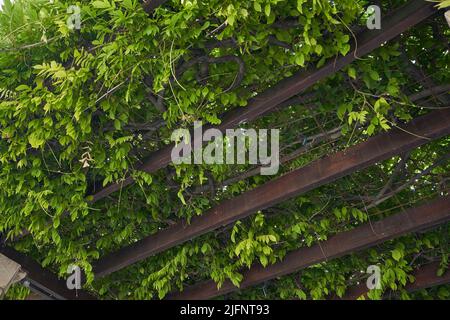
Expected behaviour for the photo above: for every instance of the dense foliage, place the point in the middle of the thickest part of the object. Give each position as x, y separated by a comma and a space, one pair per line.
80, 109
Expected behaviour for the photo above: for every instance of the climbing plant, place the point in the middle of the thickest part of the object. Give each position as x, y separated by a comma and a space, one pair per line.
81, 108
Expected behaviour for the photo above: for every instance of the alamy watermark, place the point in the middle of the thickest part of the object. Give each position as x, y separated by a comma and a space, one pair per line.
73, 282
374, 280
374, 17
74, 20
234, 148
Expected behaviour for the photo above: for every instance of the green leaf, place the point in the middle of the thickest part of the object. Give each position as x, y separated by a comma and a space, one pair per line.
230, 20
299, 5
101, 4
351, 73
205, 248
35, 140
374, 75
345, 48
267, 9
23, 87
396, 254
318, 49
379, 104
56, 222
264, 261
128, 4
117, 124
300, 59
181, 197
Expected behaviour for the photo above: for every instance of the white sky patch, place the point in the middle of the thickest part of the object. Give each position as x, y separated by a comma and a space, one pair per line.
3, 1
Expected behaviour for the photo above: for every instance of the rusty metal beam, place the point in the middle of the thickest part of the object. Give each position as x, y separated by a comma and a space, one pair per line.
425, 277
316, 174
42, 281
399, 21
412, 220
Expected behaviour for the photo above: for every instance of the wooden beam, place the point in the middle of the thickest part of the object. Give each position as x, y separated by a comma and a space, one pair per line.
384, 146
412, 220
42, 281
398, 22
425, 277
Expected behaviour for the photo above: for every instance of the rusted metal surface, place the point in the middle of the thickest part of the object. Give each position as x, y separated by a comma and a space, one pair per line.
318, 173
425, 277
399, 21
412, 220
43, 281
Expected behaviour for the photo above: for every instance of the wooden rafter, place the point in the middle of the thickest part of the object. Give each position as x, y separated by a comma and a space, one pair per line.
425, 277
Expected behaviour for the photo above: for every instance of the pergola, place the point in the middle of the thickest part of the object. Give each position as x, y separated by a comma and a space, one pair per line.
323, 171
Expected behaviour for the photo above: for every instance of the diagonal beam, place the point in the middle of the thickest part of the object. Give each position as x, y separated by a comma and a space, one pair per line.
398, 22
43, 281
384, 146
412, 220
425, 277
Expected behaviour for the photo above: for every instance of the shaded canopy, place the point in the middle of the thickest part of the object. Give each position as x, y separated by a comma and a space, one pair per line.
81, 110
